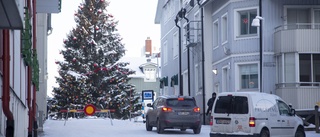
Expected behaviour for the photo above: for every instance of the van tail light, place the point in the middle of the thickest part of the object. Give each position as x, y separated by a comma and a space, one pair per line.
252, 122
197, 109
211, 120
166, 109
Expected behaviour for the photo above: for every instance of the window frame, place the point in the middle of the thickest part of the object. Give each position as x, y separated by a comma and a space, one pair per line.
175, 47
238, 76
215, 34
224, 29
237, 25
165, 53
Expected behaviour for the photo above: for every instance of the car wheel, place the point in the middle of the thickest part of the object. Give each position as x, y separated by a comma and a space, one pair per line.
159, 127
264, 133
300, 133
148, 127
197, 130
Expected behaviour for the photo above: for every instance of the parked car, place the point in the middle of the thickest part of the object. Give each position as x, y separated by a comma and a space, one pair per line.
174, 112
254, 114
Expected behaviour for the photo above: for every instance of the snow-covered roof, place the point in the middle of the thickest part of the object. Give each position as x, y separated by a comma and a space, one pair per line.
137, 62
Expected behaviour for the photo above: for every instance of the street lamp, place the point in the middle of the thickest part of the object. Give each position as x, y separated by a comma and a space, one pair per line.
256, 22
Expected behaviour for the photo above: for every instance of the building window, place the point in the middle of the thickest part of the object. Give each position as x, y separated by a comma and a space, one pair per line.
150, 75
242, 22
197, 26
302, 17
249, 76
185, 83
168, 10
196, 79
309, 66
185, 36
245, 21
175, 45
289, 66
165, 53
224, 28
215, 34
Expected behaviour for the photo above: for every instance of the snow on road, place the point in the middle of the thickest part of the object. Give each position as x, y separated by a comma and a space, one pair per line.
115, 128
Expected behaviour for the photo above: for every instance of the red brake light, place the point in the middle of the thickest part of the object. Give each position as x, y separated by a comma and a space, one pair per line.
166, 109
211, 120
252, 122
180, 99
197, 109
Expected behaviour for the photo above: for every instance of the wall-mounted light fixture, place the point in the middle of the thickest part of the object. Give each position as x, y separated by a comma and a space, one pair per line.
256, 21
215, 71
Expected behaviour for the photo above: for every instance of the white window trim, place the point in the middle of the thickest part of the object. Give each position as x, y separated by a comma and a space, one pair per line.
175, 47
237, 25
237, 74
215, 24
224, 24
165, 53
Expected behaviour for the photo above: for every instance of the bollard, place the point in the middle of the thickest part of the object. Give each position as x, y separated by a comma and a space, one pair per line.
316, 117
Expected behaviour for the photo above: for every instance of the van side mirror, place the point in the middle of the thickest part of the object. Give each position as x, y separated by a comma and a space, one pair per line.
292, 112
149, 105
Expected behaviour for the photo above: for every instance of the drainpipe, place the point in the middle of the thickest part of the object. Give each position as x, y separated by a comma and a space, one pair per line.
184, 11
260, 35
29, 88
34, 41
6, 84
180, 76
202, 52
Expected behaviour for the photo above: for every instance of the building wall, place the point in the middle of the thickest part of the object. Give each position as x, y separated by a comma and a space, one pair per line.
141, 85
42, 58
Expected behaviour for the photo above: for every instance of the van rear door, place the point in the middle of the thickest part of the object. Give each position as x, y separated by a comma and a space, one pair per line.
231, 114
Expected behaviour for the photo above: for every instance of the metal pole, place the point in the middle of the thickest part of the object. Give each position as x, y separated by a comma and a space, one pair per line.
261, 53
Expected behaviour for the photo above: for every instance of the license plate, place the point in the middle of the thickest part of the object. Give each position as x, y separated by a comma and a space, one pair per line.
223, 121
183, 113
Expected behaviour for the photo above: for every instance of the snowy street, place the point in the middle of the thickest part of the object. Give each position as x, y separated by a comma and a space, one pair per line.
123, 128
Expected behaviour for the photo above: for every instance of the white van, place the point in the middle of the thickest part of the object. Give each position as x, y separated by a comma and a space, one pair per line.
253, 114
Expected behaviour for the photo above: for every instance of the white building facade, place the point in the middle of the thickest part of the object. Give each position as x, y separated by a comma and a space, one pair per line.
23, 41
218, 36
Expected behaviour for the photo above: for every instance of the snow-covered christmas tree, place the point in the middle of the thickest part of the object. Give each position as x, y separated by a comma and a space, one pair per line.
91, 72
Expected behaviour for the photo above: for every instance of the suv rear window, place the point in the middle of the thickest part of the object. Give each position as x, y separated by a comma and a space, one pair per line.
231, 105
180, 103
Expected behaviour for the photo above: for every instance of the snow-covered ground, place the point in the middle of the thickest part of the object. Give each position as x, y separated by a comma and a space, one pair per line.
97, 127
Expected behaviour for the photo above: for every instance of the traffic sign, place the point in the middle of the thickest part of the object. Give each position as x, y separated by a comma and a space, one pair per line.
89, 109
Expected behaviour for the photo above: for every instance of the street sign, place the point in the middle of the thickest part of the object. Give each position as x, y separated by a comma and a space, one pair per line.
89, 109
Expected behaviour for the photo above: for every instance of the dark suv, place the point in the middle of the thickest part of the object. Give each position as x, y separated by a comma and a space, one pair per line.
173, 112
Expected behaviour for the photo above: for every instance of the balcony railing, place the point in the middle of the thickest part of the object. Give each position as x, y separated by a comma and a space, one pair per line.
299, 84
299, 37
298, 26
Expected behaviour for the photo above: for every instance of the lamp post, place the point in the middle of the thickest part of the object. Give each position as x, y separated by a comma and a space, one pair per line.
256, 22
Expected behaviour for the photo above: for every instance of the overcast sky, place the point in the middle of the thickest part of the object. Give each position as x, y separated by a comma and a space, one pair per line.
136, 23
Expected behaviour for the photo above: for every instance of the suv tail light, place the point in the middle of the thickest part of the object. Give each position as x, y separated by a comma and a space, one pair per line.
197, 109
211, 120
252, 122
166, 109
